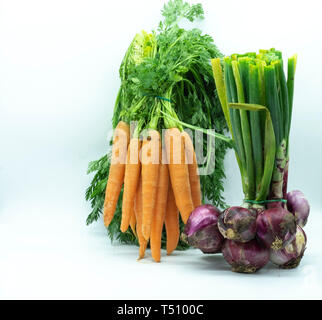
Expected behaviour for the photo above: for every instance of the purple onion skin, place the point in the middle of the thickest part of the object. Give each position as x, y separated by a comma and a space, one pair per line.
290, 256
299, 206
285, 179
276, 227
208, 239
201, 217
245, 257
201, 230
238, 224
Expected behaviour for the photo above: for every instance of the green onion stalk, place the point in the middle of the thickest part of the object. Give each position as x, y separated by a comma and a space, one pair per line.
240, 84
280, 103
256, 98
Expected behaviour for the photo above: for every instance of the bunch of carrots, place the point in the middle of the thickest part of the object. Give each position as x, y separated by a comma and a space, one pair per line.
160, 178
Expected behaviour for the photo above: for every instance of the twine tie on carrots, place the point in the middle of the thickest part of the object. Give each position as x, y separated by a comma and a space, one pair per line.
157, 97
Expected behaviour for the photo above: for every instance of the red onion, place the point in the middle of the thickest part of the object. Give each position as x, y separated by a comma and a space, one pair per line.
290, 256
201, 230
299, 206
276, 227
245, 257
238, 223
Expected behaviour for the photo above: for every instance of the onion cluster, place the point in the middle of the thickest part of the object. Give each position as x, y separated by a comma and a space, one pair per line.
248, 238
232, 232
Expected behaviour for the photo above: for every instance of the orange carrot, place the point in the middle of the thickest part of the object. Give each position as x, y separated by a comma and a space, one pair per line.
131, 180
133, 222
138, 215
159, 212
151, 153
194, 177
172, 222
115, 180
179, 172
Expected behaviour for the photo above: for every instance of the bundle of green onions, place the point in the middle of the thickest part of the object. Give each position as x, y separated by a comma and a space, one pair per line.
257, 101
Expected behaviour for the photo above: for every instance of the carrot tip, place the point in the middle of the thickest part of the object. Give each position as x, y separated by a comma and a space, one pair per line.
124, 229
142, 251
146, 234
107, 221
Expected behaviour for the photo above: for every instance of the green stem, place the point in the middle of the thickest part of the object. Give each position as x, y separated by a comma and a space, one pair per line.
224, 96
205, 131
255, 123
138, 129
246, 135
117, 109
261, 65
269, 147
279, 170
273, 102
231, 92
153, 124
234, 114
243, 67
291, 67
220, 86
170, 116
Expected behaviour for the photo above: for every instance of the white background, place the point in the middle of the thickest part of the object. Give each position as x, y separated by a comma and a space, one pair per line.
59, 65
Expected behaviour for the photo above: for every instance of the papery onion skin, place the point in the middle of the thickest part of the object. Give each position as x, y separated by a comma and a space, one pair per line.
201, 217
208, 239
238, 224
299, 206
276, 227
245, 257
290, 256
201, 230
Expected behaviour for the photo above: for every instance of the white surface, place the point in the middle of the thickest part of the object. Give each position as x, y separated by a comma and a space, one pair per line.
58, 80
46, 260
